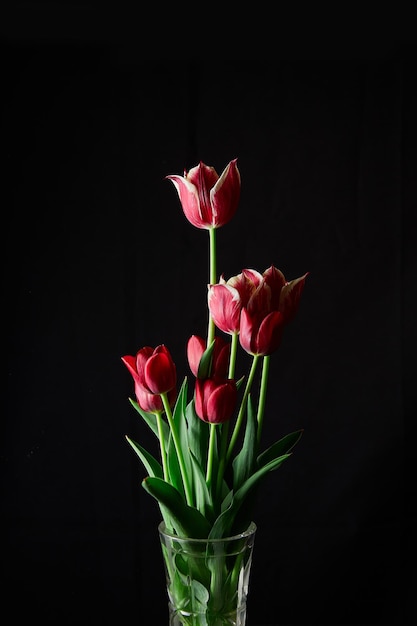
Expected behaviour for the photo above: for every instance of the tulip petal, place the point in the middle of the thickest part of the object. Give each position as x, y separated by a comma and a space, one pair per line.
160, 373
190, 202
202, 175
225, 305
142, 357
221, 403
269, 334
225, 195
147, 401
130, 362
195, 349
290, 297
275, 279
246, 331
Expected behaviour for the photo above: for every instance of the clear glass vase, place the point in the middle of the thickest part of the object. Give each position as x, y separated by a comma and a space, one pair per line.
207, 580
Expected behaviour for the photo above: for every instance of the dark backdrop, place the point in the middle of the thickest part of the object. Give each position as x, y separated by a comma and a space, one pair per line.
101, 261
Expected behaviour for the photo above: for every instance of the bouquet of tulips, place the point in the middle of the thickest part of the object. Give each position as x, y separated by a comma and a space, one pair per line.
211, 456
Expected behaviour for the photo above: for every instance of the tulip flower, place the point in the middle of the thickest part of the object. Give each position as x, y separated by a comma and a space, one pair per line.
220, 358
208, 200
215, 399
272, 305
154, 373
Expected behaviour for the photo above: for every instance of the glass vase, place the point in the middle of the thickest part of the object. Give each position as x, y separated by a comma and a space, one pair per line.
207, 579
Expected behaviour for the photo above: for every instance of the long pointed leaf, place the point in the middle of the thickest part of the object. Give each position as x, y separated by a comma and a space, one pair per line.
152, 466
174, 471
283, 446
243, 463
198, 434
180, 424
204, 367
202, 496
187, 520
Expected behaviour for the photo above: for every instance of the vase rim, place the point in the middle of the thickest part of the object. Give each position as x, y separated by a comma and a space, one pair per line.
247, 533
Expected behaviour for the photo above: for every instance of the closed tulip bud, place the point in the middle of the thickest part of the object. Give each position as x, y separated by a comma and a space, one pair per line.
208, 200
215, 399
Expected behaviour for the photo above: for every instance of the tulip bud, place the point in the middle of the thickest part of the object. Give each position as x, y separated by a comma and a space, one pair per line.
215, 399
153, 372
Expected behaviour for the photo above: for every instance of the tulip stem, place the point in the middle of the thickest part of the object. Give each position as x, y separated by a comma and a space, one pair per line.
177, 444
225, 425
233, 351
262, 396
162, 445
212, 281
242, 409
210, 457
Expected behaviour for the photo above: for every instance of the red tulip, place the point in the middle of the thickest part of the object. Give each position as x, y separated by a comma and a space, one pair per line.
272, 305
220, 357
154, 372
215, 399
208, 201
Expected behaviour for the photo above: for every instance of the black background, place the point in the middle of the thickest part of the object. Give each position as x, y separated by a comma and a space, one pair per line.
99, 261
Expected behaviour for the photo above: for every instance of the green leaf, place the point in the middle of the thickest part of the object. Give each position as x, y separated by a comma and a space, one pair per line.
283, 446
202, 496
174, 470
187, 520
204, 367
152, 466
223, 524
198, 434
244, 462
150, 419
181, 403
180, 423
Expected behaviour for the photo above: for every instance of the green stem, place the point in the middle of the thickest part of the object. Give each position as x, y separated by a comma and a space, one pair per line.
162, 445
225, 427
183, 469
233, 352
210, 457
242, 407
213, 281
262, 396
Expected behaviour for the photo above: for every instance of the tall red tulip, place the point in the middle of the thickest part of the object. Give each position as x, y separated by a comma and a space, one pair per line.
215, 399
208, 200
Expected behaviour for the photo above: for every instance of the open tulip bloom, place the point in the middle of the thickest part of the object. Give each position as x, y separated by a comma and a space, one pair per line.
211, 457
